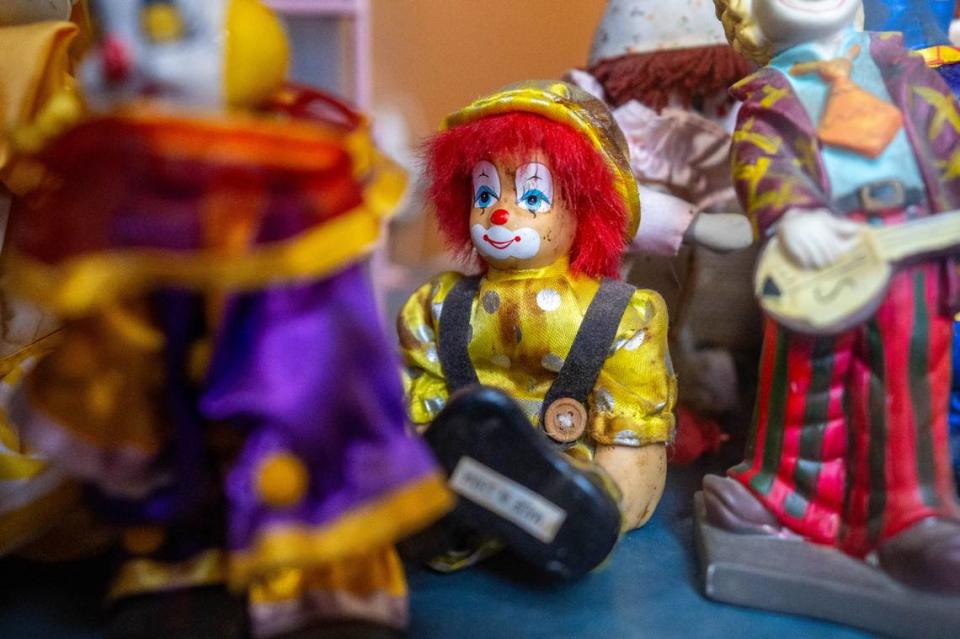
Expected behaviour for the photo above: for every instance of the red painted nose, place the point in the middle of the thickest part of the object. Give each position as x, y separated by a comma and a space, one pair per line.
500, 217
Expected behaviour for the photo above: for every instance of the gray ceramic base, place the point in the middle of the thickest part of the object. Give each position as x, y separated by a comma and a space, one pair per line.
788, 575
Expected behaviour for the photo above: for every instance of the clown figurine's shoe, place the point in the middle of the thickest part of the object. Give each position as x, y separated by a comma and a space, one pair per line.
926, 556
750, 559
519, 490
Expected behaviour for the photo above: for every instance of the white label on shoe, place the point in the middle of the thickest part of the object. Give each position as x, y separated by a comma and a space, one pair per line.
508, 499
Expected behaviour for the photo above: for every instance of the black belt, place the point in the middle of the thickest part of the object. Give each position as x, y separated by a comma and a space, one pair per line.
879, 196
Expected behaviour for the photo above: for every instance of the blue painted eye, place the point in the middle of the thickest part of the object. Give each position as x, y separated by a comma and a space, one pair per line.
535, 201
485, 197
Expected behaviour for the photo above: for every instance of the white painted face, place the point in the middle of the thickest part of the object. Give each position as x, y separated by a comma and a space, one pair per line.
515, 222
187, 70
789, 22
499, 242
26, 11
534, 184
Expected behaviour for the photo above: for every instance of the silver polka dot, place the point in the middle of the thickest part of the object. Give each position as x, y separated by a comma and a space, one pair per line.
501, 360
648, 312
617, 345
423, 333
531, 407
434, 404
636, 341
626, 438
604, 400
437, 308
552, 362
548, 299
432, 355
491, 302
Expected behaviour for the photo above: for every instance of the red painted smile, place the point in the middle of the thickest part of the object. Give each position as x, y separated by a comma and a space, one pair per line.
499, 245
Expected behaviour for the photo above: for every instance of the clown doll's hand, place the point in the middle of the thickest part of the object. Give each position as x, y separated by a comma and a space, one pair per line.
816, 238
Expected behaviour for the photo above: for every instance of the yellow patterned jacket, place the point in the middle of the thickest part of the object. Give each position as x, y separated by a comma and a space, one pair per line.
522, 327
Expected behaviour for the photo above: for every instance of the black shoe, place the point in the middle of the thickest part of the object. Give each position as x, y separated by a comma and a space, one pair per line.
517, 486
191, 613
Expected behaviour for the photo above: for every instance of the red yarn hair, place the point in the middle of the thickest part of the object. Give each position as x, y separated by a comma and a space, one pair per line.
585, 181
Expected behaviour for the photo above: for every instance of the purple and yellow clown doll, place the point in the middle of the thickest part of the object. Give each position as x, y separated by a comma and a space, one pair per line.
223, 384
844, 134
925, 25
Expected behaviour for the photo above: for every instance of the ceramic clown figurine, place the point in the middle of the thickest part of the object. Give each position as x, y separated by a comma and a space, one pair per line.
844, 131
925, 25
664, 70
223, 385
544, 385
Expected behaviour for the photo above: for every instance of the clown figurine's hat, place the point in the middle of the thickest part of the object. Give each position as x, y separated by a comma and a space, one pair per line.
571, 106
642, 26
659, 52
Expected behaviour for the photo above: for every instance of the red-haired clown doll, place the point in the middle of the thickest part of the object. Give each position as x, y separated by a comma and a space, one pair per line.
533, 184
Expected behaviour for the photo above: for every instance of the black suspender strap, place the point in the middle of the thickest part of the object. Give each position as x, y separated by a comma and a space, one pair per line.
580, 370
454, 338
590, 347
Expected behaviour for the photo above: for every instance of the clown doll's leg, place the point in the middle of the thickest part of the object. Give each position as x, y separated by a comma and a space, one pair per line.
350, 594
640, 474
955, 402
795, 455
902, 497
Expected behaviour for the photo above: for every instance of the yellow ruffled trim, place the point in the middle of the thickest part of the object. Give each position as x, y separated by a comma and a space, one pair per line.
379, 571
80, 285
140, 576
372, 526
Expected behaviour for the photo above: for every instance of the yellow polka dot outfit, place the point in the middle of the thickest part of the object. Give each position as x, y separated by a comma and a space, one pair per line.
523, 324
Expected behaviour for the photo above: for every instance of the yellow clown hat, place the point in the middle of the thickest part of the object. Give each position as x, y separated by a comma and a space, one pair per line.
575, 108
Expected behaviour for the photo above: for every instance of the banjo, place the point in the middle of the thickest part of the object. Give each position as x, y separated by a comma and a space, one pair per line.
847, 292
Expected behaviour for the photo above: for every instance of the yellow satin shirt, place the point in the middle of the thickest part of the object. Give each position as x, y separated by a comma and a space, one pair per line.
523, 325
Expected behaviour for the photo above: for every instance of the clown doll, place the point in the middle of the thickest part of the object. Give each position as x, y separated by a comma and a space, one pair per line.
223, 385
664, 70
838, 134
545, 387
925, 25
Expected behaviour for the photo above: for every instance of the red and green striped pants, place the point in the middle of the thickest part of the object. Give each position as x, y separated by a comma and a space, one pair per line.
849, 444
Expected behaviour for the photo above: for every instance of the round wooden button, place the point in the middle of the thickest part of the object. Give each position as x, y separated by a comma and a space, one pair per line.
565, 420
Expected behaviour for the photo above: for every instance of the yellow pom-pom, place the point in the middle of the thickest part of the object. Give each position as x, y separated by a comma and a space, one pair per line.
143, 540
257, 53
282, 480
162, 22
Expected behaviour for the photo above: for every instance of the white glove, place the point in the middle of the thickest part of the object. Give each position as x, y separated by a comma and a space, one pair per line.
816, 238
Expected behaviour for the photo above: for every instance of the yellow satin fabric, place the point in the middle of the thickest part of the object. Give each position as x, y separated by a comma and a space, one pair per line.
34, 71
523, 324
